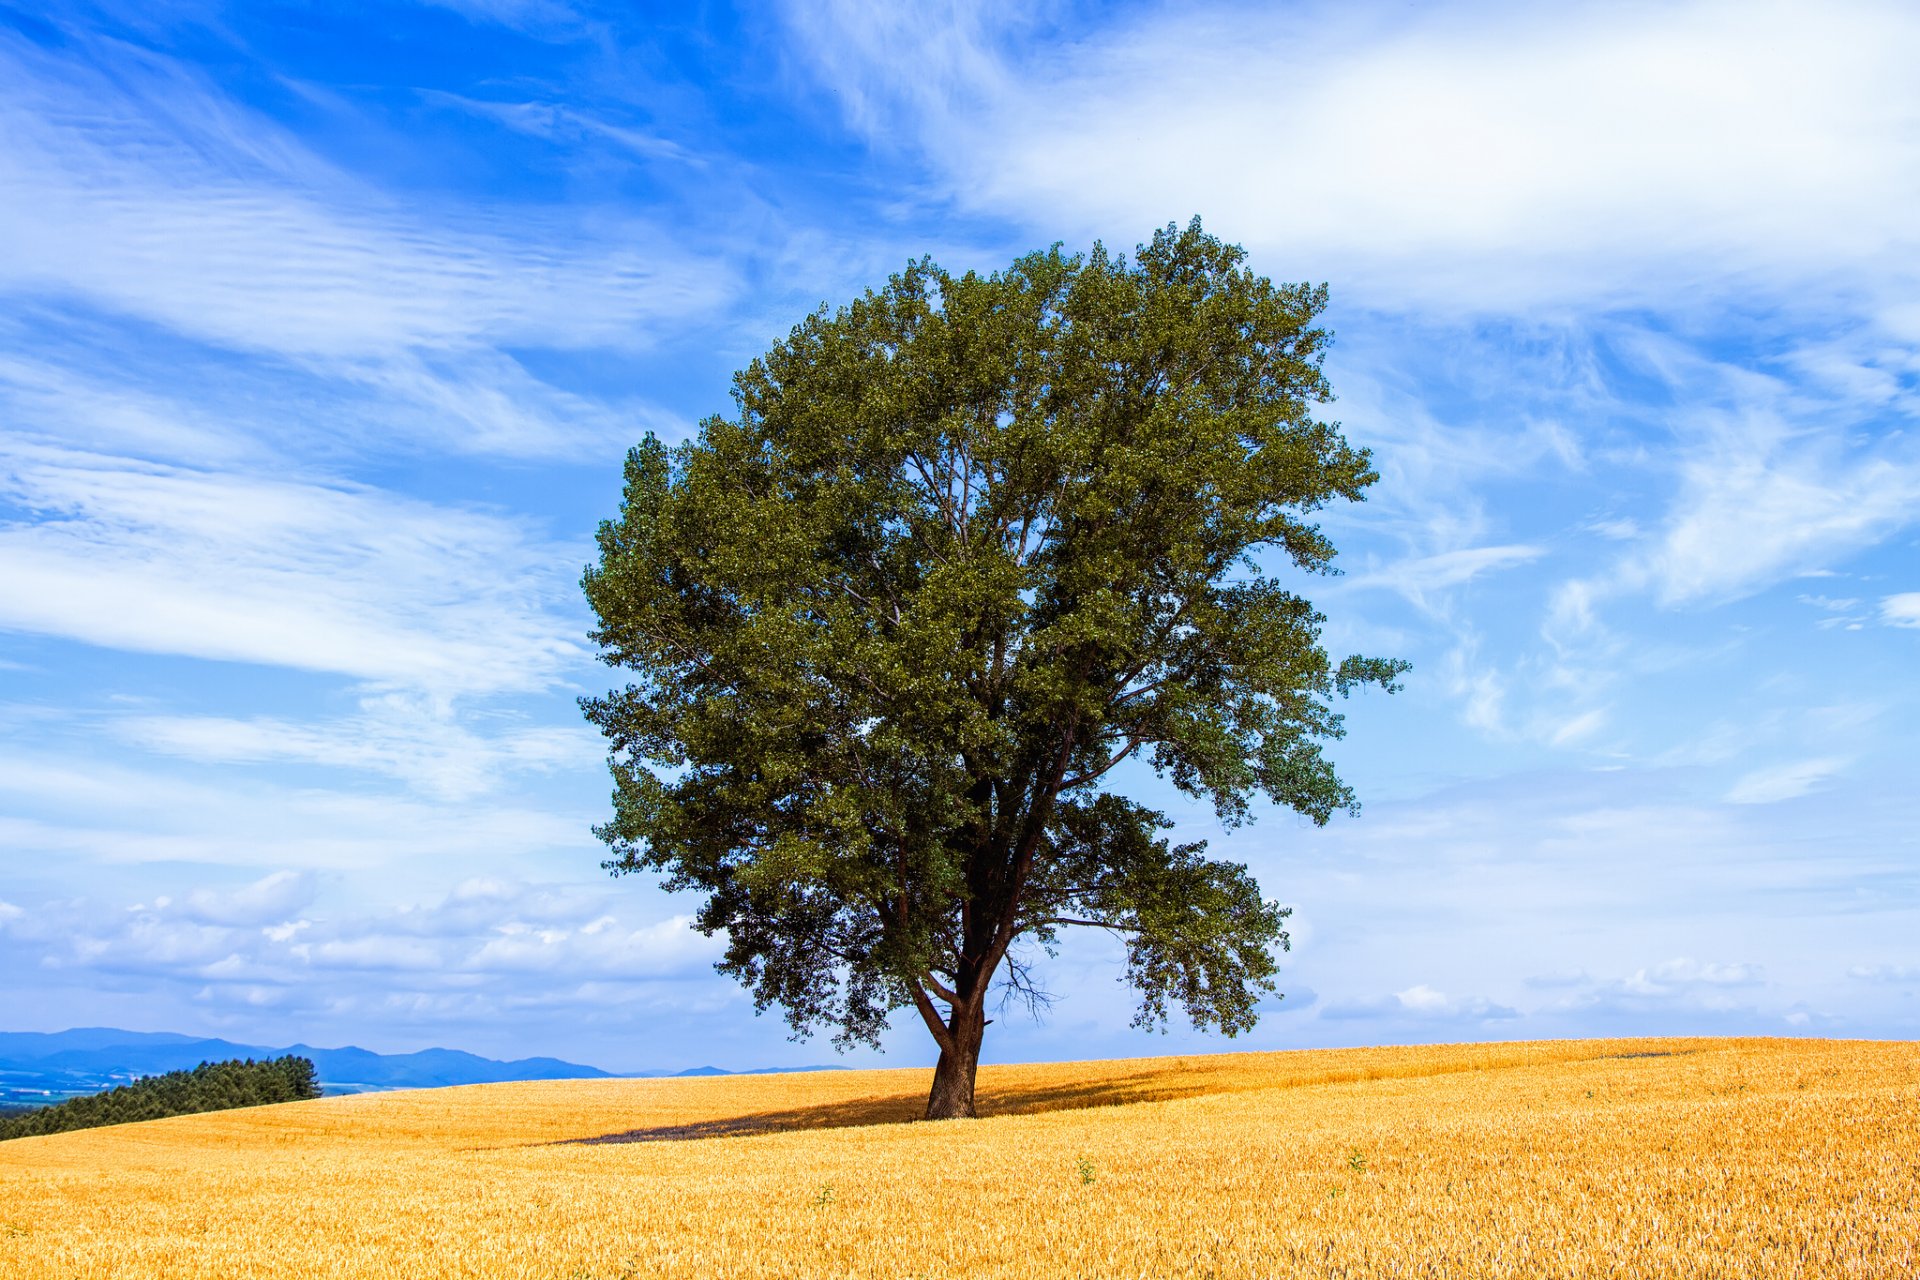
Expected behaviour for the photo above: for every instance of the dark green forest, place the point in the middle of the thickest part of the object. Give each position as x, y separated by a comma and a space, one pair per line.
211, 1086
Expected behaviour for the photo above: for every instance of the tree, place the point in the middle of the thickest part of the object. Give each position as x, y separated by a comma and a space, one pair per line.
968, 546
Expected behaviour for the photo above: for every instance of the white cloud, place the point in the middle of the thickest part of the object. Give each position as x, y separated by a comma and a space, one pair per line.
1420, 1002
1490, 154
447, 944
1901, 610
145, 191
1617, 530
1761, 501
1422, 999
92, 813
1771, 481
420, 741
1784, 781
52, 399
1884, 973
1652, 998
1578, 727
305, 574
556, 122
1685, 971
270, 900
1418, 576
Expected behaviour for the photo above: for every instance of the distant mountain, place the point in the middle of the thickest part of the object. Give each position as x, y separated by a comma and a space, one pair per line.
42, 1067
49, 1066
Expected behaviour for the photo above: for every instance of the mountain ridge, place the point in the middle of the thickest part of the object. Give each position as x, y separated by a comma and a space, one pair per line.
44, 1066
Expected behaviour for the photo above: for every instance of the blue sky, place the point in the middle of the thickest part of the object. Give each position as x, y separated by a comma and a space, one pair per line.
325, 329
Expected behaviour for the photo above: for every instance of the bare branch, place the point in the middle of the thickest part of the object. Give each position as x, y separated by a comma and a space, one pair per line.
1134, 743
1019, 985
1093, 924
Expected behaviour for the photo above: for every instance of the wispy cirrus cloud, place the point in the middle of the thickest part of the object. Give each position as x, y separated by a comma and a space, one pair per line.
321, 577
1767, 481
141, 190
1418, 577
72, 811
149, 193
1783, 781
1762, 499
402, 736
559, 123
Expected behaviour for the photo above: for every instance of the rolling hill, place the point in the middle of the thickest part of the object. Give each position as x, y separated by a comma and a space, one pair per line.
1709, 1159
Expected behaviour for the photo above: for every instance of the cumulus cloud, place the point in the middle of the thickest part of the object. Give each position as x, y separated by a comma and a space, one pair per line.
1685, 972
523, 940
269, 900
1676, 988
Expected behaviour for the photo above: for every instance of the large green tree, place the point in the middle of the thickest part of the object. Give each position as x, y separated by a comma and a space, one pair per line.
967, 546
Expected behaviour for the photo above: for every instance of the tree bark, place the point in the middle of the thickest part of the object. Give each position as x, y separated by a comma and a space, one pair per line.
952, 1095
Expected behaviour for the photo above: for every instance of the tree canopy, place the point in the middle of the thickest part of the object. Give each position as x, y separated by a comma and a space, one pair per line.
211, 1086
966, 546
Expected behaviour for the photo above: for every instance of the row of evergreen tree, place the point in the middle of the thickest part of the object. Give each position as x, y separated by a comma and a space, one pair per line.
211, 1086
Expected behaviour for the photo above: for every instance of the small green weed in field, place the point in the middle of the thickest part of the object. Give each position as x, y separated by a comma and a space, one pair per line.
1086, 1172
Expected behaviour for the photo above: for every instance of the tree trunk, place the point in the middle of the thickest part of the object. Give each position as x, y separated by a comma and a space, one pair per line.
952, 1094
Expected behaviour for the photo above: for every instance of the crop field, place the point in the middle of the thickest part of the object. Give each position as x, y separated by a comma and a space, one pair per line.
1685, 1158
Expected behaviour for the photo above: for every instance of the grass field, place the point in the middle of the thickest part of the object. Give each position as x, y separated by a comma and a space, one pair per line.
1684, 1158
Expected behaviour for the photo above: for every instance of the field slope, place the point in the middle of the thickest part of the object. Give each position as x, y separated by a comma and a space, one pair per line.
1700, 1158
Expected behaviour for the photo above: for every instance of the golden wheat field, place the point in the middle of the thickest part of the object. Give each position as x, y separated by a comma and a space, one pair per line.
1708, 1158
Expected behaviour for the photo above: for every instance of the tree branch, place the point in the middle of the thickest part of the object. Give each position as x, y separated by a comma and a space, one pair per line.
1038, 815
1095, 924
931, 1016
1134, 743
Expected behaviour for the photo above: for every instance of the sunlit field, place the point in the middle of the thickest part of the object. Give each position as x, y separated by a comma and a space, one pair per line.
1593, 1158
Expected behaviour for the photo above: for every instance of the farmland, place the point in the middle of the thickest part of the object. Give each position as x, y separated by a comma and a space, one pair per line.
1709, 1158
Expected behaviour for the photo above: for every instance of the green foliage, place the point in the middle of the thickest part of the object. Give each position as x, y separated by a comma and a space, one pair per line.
211, 1086
967, 546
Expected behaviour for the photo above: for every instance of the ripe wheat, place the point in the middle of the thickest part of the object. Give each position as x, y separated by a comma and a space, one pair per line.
1694, 1158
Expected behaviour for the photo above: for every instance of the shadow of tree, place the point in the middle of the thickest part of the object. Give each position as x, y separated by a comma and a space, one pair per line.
907, 1108
1160, 1080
